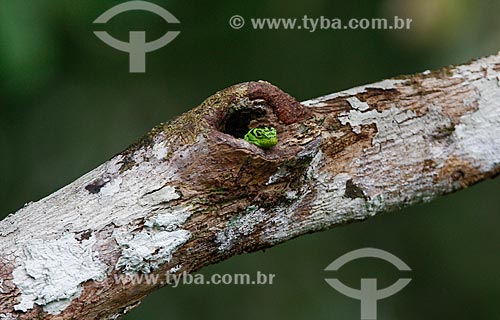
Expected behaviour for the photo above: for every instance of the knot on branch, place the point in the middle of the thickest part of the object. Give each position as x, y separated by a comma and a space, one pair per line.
224, 160
238, 108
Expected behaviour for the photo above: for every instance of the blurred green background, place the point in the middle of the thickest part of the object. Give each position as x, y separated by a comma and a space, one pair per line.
68, 103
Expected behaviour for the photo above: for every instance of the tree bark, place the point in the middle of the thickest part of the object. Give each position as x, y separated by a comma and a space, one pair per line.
192, 192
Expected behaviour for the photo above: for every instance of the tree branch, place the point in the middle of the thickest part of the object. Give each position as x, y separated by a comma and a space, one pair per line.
192, 192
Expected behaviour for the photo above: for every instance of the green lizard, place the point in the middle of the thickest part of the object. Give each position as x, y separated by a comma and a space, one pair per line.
265, 137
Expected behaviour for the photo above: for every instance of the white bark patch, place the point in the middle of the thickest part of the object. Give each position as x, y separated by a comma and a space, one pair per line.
6, 316
160, 150
8, 225
175, 268
52, 272
164, 194
384, 85
331, 203
170, 220
395, 126
291, 195
281, 173
111, 187
146, 250
331, 199
358, 104
478, 134
240, 226
387, 122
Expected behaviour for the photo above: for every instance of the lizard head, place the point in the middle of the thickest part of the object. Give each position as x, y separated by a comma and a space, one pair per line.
265, 137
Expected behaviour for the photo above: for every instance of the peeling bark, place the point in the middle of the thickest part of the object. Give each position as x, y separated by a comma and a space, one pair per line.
192, 192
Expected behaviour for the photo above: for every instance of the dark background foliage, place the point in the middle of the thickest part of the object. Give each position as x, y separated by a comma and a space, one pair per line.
68, 103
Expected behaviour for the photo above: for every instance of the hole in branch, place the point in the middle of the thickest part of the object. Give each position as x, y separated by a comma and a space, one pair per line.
237, 122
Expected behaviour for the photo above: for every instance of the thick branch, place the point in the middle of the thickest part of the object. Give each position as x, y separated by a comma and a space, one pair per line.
192, 192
